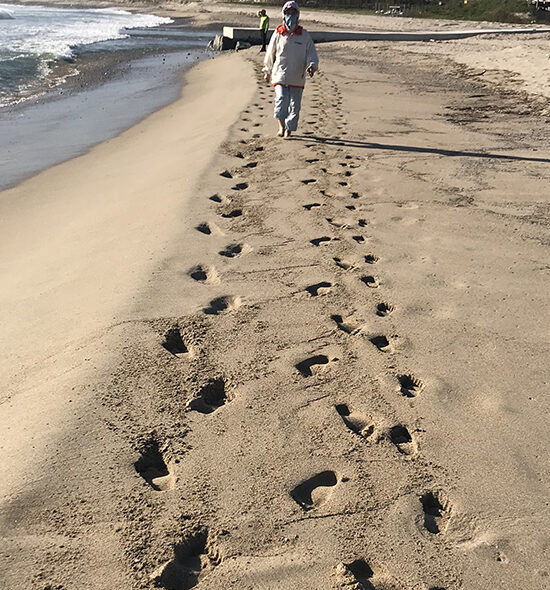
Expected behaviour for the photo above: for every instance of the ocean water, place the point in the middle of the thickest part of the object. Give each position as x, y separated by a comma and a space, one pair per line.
36, 40
71, 78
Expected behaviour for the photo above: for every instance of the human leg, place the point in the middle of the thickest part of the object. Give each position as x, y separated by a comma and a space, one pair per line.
280, 113
294, 105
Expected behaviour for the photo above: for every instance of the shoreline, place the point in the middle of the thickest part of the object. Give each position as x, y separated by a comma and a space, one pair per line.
111, 91
103, 221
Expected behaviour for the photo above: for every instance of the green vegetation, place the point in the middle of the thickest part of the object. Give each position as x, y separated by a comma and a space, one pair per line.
507, 11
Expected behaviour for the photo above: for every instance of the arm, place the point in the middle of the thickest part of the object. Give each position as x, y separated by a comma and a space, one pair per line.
269, 58
312, 59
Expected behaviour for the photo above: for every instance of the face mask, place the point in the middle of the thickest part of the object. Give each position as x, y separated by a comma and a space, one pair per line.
290, 20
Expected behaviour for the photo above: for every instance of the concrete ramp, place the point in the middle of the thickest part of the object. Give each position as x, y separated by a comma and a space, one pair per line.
253, 35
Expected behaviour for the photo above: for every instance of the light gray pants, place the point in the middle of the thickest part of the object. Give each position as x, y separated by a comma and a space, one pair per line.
287, 105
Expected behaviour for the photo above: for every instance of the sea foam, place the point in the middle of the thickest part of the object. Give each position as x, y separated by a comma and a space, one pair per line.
32, 38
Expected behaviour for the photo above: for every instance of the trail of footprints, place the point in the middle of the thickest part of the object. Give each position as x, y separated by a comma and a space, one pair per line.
434, 506
196, 553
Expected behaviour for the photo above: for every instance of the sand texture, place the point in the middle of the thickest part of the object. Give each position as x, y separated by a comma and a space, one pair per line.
236, 361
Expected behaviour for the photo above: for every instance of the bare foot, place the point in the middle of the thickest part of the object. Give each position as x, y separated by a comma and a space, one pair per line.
288, 133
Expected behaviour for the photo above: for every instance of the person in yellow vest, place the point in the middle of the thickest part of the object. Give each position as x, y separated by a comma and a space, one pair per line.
264, 28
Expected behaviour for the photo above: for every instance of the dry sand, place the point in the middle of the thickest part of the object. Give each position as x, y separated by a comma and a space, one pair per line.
241, 362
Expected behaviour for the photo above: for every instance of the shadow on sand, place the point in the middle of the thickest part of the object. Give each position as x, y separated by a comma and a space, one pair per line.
414, 149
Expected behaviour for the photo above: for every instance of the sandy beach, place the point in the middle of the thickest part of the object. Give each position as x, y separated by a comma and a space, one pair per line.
235, 361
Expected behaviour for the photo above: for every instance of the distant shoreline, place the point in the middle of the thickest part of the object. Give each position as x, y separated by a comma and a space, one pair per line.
32, 141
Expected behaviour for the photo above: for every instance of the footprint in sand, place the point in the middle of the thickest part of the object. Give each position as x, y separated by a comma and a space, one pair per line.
217, 199
383, 343
360, 575
323, 240
384, 309
250, 165
356, 574
315, 491
204, 274
371, 259
155, 465
343, 264
193, 556
310, 206
358, 238
308, 181
400, 436
338, 223
312, 365
319, 289
210, 397
222, 304
351, 207
209, 229
226, 174
437, 512
354, 195
370, 281
240, 186
362, 222
232, 214
235, 250
347, 324
410, 386
174, 344
312, 160
356, 421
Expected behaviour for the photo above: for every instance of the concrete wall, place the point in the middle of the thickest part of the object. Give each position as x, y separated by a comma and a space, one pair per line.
253, 35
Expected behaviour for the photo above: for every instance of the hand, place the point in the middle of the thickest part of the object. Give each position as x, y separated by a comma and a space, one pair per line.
267, 78
310, 70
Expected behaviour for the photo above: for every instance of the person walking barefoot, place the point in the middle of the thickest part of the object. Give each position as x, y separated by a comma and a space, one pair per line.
290, 56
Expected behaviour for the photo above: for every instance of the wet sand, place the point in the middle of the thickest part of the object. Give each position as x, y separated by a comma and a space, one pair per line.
242, 362
104, 93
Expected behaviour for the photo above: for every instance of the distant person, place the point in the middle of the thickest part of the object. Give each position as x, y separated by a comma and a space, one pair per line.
264, 27
290, 55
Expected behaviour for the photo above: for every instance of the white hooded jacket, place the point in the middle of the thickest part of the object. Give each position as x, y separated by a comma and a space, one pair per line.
288, 56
